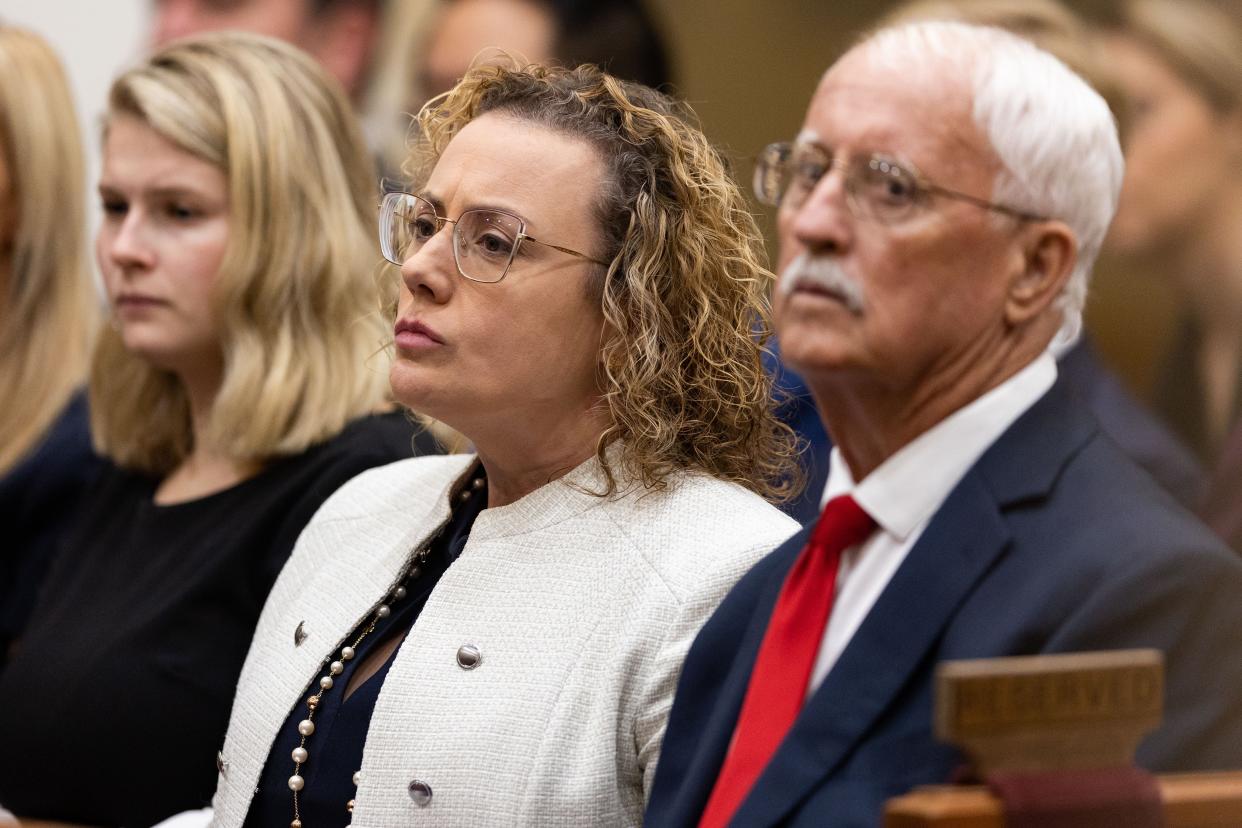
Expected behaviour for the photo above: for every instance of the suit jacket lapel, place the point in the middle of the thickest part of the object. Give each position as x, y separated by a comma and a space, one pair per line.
957, 548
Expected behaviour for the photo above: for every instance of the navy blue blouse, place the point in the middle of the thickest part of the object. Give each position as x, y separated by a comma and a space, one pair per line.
335, 748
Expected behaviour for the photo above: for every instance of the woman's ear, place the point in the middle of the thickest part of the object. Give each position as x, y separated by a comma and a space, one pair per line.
1049, 253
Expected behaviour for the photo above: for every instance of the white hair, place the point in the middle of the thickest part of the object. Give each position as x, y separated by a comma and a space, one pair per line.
1054, 135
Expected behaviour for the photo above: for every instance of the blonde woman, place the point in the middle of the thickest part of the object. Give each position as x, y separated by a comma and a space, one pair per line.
1180, 62
494, 639
47, 316
233, 393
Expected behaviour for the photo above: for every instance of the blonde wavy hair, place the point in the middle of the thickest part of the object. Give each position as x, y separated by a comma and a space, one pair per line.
1200, 39
296, 295
47, 311
685, 293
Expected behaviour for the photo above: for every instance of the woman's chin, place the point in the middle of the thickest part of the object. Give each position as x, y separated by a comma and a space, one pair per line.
157, 354
411, 389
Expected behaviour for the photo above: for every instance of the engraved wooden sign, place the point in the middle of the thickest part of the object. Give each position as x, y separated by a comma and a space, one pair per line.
1050, 712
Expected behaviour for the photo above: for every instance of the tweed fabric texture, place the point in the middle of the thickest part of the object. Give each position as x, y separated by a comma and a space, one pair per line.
583, 609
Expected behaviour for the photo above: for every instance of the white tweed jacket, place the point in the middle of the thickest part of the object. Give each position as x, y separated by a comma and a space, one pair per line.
582, 607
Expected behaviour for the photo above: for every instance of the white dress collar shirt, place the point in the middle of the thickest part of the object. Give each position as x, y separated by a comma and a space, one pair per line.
907, 489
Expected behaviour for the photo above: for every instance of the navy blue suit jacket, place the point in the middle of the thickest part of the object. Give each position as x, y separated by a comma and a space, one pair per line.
1052, 542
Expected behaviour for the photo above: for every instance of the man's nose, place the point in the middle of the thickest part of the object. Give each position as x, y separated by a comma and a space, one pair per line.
823, 222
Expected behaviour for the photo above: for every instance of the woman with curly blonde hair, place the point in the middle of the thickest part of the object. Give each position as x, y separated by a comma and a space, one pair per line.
235, 390
495, 638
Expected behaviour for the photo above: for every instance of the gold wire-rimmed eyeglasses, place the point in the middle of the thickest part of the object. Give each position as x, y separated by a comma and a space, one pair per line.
485, 241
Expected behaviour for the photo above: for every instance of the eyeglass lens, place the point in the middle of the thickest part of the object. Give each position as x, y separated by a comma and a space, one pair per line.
876, 187
484, 241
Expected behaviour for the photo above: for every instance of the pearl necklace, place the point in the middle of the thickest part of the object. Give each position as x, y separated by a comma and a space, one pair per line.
336, 666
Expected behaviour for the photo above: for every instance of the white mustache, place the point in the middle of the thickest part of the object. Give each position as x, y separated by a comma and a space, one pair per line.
808, 270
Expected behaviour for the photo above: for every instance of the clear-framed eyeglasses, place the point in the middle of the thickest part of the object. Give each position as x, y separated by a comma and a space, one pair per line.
877, 187
485, 242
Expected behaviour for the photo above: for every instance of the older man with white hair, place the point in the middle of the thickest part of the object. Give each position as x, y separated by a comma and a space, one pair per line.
939, 215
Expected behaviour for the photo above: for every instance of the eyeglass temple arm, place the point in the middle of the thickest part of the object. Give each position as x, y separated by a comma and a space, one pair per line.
564, 250
987, 205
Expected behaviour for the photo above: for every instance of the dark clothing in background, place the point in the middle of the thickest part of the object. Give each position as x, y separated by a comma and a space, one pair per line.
1180, 397
1142, 437
36, 498
1180, 400
1222, 505
796, 408
133, 651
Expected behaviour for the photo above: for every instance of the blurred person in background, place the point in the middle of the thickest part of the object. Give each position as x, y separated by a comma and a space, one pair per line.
1180, 62
495, 639
233, 392
340, 34
352, 39
427, 45
619, 36
47, 319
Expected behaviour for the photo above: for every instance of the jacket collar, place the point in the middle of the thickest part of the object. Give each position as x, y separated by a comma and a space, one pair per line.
555, 501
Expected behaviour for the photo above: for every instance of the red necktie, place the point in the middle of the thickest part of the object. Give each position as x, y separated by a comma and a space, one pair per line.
790, 646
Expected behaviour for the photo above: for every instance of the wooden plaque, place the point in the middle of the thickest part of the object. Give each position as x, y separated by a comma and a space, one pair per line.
1050, 712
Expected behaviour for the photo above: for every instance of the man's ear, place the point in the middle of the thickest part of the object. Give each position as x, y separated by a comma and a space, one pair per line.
1049, 252
344, 39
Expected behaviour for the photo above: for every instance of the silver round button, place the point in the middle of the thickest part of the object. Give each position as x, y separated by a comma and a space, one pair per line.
469, 657
420, 792
222, 764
